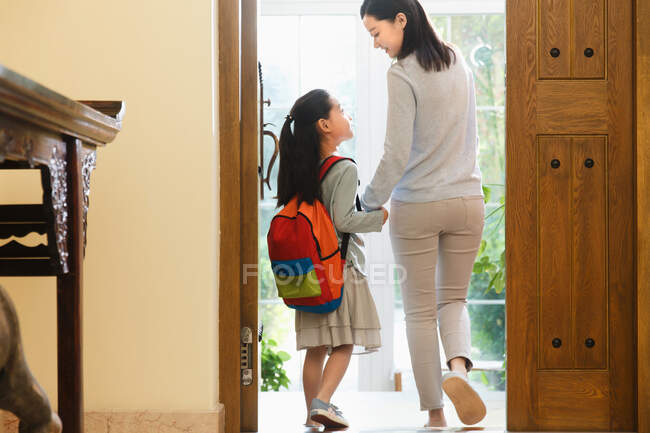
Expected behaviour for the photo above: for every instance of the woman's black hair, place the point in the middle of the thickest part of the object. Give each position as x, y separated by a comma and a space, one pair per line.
300, 149
419, 35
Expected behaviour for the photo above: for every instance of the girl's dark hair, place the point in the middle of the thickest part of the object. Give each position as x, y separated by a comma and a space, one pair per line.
419, 35
300, 149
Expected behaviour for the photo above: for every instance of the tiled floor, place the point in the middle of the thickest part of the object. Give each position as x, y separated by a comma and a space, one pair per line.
373, 412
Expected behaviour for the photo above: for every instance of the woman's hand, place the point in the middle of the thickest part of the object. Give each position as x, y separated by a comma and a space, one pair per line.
385, 215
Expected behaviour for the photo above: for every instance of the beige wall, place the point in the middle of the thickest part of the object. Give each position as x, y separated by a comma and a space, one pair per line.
150, 296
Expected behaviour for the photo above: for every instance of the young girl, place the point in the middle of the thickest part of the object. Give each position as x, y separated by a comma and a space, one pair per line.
430, 169
312, 132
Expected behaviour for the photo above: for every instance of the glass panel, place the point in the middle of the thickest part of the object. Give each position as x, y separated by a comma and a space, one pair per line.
279, 56
328, 56
266, 280
491, 132
279, 326
485, 273
488, 344
441, 25
299, 54
328, 61
481, 39
488, 332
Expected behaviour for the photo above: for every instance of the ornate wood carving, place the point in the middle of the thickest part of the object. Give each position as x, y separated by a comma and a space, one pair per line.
89, 163
21, 145
14, 249
59, 183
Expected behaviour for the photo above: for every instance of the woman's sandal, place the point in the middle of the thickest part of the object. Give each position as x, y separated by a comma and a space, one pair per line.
469, 406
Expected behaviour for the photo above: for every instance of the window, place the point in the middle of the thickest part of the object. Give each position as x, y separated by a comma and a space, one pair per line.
298, 54
308, 44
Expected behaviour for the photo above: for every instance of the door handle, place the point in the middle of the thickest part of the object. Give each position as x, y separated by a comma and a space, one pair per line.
265, 132
267, 180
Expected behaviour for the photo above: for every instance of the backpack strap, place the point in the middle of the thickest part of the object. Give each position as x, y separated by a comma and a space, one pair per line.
324, 169
346, 236
329, 163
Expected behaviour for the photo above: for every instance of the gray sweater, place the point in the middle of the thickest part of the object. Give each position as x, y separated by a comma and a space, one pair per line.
339, 189
431, 145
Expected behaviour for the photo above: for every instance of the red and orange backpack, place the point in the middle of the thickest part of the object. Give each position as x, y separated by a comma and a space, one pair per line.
305, 255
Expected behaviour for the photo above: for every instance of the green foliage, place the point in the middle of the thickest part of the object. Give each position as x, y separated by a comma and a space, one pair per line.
489, 273
492, 379
494, 267
481, 39
488, 282
273, 375
488, 331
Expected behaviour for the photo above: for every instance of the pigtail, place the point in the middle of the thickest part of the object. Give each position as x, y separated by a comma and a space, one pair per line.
300, 149
285, 176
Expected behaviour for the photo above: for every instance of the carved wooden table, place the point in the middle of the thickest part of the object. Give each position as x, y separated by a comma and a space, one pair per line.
41, 129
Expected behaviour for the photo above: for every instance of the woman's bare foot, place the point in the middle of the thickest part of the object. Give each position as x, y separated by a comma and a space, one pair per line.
436, 418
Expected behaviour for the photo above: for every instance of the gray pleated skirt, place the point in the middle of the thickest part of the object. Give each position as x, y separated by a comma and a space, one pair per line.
354, 322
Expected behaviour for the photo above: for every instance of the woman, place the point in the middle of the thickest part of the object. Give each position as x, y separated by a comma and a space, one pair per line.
430, 168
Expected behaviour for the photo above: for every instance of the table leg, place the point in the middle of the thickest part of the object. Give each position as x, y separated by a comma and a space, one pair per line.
69, 303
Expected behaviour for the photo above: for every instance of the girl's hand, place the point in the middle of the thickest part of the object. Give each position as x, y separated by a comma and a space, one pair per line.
385, 215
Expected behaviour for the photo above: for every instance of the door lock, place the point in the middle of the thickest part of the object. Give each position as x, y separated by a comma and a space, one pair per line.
246, 353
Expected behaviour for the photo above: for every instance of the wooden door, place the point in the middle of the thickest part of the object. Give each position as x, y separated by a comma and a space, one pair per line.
238, 185
570, 232
250, 133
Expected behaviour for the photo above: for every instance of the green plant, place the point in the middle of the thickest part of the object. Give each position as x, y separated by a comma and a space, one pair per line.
488, 279
495, 267
273, 375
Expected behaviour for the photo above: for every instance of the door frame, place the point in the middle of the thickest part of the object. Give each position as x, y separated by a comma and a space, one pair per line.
642, 30
238, 167
238, 198
229, 258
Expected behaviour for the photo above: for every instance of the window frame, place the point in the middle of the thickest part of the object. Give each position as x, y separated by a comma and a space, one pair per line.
351, 7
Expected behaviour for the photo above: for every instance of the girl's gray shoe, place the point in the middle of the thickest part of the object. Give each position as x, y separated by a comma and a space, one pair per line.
328, 415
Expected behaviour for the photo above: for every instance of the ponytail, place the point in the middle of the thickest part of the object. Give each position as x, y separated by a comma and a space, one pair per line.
300, 149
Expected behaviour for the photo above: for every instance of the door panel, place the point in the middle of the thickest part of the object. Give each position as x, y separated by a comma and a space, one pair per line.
554, 47
555, 252
589, 287
572, 107
588, 394
589, 39
569, 223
